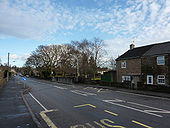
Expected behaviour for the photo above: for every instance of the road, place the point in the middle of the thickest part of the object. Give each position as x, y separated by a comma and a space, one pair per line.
73, 106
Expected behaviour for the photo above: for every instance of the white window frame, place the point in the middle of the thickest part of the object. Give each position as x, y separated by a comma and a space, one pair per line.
162, 59
126, 78
123, 64
149, 76
159, 78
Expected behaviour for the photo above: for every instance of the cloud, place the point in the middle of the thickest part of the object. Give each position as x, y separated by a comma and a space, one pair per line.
145, 21
31, 19
15, 57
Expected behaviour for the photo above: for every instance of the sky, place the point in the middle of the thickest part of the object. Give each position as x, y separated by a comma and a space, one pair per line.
26, 24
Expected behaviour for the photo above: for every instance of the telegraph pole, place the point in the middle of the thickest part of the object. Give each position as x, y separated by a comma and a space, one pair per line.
8, 67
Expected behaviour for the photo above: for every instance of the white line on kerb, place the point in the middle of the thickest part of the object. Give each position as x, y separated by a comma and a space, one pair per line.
38, 102
144, 95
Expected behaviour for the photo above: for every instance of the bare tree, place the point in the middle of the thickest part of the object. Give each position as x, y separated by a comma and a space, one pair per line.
112, 63
98, 52
80, 58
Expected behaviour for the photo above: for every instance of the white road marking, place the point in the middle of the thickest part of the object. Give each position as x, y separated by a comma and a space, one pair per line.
69, 85
157, 111
100, 90
78, 93
116, 100
147, 106
47, 119
87, 87
135, 109
162, 98
91, 88
43, 113
88, 93
38, 102
59, 87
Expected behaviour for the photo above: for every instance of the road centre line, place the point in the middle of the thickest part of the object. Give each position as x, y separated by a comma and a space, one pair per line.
90, 88
100, 90
38, 102
114, 114
59, 87
135, 109
78, 93
162, 98
146, 126
69, 85
157, 111
147, 106
82, 93
88, 93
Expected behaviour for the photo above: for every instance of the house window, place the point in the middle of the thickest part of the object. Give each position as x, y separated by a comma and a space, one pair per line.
161, 79
149, 79
160, 60
126, 78
123, 64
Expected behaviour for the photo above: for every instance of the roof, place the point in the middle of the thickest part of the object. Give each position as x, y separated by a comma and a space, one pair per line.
162, 48
149, 50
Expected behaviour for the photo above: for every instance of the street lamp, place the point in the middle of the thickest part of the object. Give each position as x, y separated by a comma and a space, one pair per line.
78, 74
8, 67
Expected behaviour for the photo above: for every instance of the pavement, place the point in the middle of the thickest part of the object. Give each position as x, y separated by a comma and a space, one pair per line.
13, 112
59, 105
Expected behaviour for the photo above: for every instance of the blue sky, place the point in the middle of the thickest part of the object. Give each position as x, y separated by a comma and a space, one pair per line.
25, 24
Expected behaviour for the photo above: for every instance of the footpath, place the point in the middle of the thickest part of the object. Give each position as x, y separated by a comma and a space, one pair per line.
13, 111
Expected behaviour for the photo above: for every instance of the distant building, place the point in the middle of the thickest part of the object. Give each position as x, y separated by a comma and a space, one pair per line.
148, 64
102, 70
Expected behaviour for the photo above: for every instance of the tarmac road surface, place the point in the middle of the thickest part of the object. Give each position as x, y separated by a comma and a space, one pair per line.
69, 106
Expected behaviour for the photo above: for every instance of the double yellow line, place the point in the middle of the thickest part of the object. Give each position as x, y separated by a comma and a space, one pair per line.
47, 119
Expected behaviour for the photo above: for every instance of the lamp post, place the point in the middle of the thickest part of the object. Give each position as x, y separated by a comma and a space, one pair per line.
8, 67
77, 67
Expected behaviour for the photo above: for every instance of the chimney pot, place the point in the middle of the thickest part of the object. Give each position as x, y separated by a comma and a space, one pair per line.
132, 46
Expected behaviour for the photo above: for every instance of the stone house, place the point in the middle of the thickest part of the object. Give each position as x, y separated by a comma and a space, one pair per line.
147, 64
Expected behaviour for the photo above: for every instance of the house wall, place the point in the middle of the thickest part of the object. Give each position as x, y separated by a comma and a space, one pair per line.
150, 67
133, 68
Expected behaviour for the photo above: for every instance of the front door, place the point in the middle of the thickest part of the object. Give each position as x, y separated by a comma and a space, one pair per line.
149, 79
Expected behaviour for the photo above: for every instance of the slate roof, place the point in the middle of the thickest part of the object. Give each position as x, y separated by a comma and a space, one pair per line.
149, 50
158, 49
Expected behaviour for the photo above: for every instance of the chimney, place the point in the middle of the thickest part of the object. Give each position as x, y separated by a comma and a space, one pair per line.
132, 46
